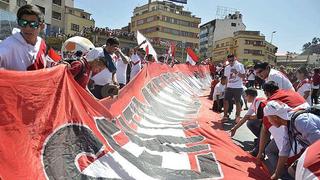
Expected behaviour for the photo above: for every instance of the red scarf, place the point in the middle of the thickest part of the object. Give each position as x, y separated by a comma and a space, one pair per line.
40, 62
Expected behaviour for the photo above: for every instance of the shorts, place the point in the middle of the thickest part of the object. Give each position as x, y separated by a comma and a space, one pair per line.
233, 94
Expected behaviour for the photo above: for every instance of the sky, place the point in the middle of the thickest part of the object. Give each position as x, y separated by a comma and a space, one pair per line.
295, 21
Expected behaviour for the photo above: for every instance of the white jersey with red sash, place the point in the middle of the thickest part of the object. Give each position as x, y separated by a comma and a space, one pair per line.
281, 137
17, 54
304, 86
280, 79
136, 65
121, 70
308, 166
255, 105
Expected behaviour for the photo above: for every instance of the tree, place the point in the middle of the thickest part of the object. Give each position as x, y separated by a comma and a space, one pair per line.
306, 46
315, 41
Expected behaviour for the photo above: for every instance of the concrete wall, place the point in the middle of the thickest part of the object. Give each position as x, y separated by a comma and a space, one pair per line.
224, 29
72, 19
47, 4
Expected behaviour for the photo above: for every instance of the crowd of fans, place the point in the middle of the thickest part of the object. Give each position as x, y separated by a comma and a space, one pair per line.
107, 32
285, 121
286, 112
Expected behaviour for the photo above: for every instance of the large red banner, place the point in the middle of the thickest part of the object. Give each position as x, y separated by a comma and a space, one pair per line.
159, 127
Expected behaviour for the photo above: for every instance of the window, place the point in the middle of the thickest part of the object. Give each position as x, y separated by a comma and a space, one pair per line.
254, 52
56, 15
150, 30
234, 24
42, 9
222, 44
258, 43
227, 43
217, 46
150, 19
75, 27
57, 2
139, 22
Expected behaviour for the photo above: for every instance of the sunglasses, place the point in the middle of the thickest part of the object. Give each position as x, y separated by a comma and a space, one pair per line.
32, 24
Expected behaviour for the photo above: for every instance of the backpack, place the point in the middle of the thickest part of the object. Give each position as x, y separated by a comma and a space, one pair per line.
294, 134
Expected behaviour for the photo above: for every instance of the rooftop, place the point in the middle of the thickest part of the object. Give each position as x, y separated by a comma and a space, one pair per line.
162, 6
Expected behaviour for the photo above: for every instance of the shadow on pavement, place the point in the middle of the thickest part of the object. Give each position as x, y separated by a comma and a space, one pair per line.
245, 145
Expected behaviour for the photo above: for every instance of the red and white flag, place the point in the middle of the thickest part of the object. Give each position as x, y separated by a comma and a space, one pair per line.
171, 52
146, 46
192, 58
54, 55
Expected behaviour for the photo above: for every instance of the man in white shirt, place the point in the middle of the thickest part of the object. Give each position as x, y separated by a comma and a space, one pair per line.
251, 78
253, 117
304, 85
25, 50
136, 60
234, 72
122, 62
264, 71
107, 75
136, 65
218, 94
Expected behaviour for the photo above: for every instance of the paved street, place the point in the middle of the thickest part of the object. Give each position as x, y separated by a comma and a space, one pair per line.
243, 137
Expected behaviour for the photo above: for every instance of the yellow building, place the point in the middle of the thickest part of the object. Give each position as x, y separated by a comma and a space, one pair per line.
165, 22
270, 53
248, 46
222, 48
76, 19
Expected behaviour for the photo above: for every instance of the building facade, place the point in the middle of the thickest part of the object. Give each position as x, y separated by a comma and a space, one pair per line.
53, 10
248, 46
222, 48
296, 60
206, 38
165, 22
219, 29
8, 21
70, 3
76, 19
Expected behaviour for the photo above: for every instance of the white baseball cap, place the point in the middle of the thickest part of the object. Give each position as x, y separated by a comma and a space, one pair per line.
94, 54
279, 109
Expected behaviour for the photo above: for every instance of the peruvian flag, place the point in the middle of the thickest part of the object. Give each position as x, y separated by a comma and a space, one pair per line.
54, 55
171, 52
192, 58
146, 46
